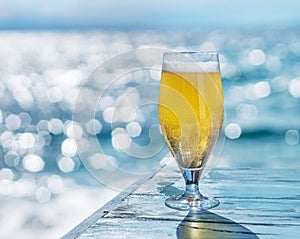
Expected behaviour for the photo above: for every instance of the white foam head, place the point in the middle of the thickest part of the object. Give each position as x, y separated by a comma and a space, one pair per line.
190, 62
191, 67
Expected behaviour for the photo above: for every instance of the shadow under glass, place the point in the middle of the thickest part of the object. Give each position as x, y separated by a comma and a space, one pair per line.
208, 225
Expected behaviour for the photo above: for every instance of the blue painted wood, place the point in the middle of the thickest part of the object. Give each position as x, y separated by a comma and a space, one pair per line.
255, 203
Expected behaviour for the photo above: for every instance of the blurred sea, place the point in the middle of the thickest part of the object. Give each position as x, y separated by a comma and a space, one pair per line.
45, 189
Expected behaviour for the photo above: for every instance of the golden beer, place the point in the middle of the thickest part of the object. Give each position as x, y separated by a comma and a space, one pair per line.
191, 111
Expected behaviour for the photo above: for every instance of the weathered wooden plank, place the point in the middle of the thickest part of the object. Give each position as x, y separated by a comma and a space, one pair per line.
100, 213
267, 210
255, 203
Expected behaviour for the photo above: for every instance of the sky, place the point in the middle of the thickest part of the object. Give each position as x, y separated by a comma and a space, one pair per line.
19, 14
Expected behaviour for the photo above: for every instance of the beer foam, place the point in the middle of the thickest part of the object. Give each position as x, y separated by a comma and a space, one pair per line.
210, 66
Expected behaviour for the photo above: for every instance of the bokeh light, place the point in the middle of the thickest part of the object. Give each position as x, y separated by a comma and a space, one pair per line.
6, 174
73, 130
258, 90
33, 163
66, 164
99, 161
69, 147
233, 131
42, 194
292, 137
11, 159
13, 122
120, 139
294, 87
55, 184
93, 127
56, 126
133, 129
257, 57
55, 94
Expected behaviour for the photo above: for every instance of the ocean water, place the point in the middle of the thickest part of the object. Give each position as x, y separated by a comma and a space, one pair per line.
74, 122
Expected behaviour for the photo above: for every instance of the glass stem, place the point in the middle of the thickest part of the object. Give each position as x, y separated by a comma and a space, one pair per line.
192, 178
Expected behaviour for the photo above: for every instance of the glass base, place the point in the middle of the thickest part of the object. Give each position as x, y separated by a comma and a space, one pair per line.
187, 203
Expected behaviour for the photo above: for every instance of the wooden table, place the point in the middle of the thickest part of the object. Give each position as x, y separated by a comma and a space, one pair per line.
255, 203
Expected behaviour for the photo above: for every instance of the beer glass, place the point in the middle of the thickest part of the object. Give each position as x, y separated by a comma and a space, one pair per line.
191, 112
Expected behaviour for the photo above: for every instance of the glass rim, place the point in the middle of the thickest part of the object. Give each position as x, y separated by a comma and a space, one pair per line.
191, 52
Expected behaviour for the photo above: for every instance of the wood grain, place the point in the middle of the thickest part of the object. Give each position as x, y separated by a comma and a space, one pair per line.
255, 203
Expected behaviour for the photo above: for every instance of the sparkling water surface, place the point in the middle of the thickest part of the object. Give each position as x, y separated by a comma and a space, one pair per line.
45, 189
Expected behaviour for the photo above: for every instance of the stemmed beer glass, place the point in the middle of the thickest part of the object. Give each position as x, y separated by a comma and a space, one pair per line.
191, 112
